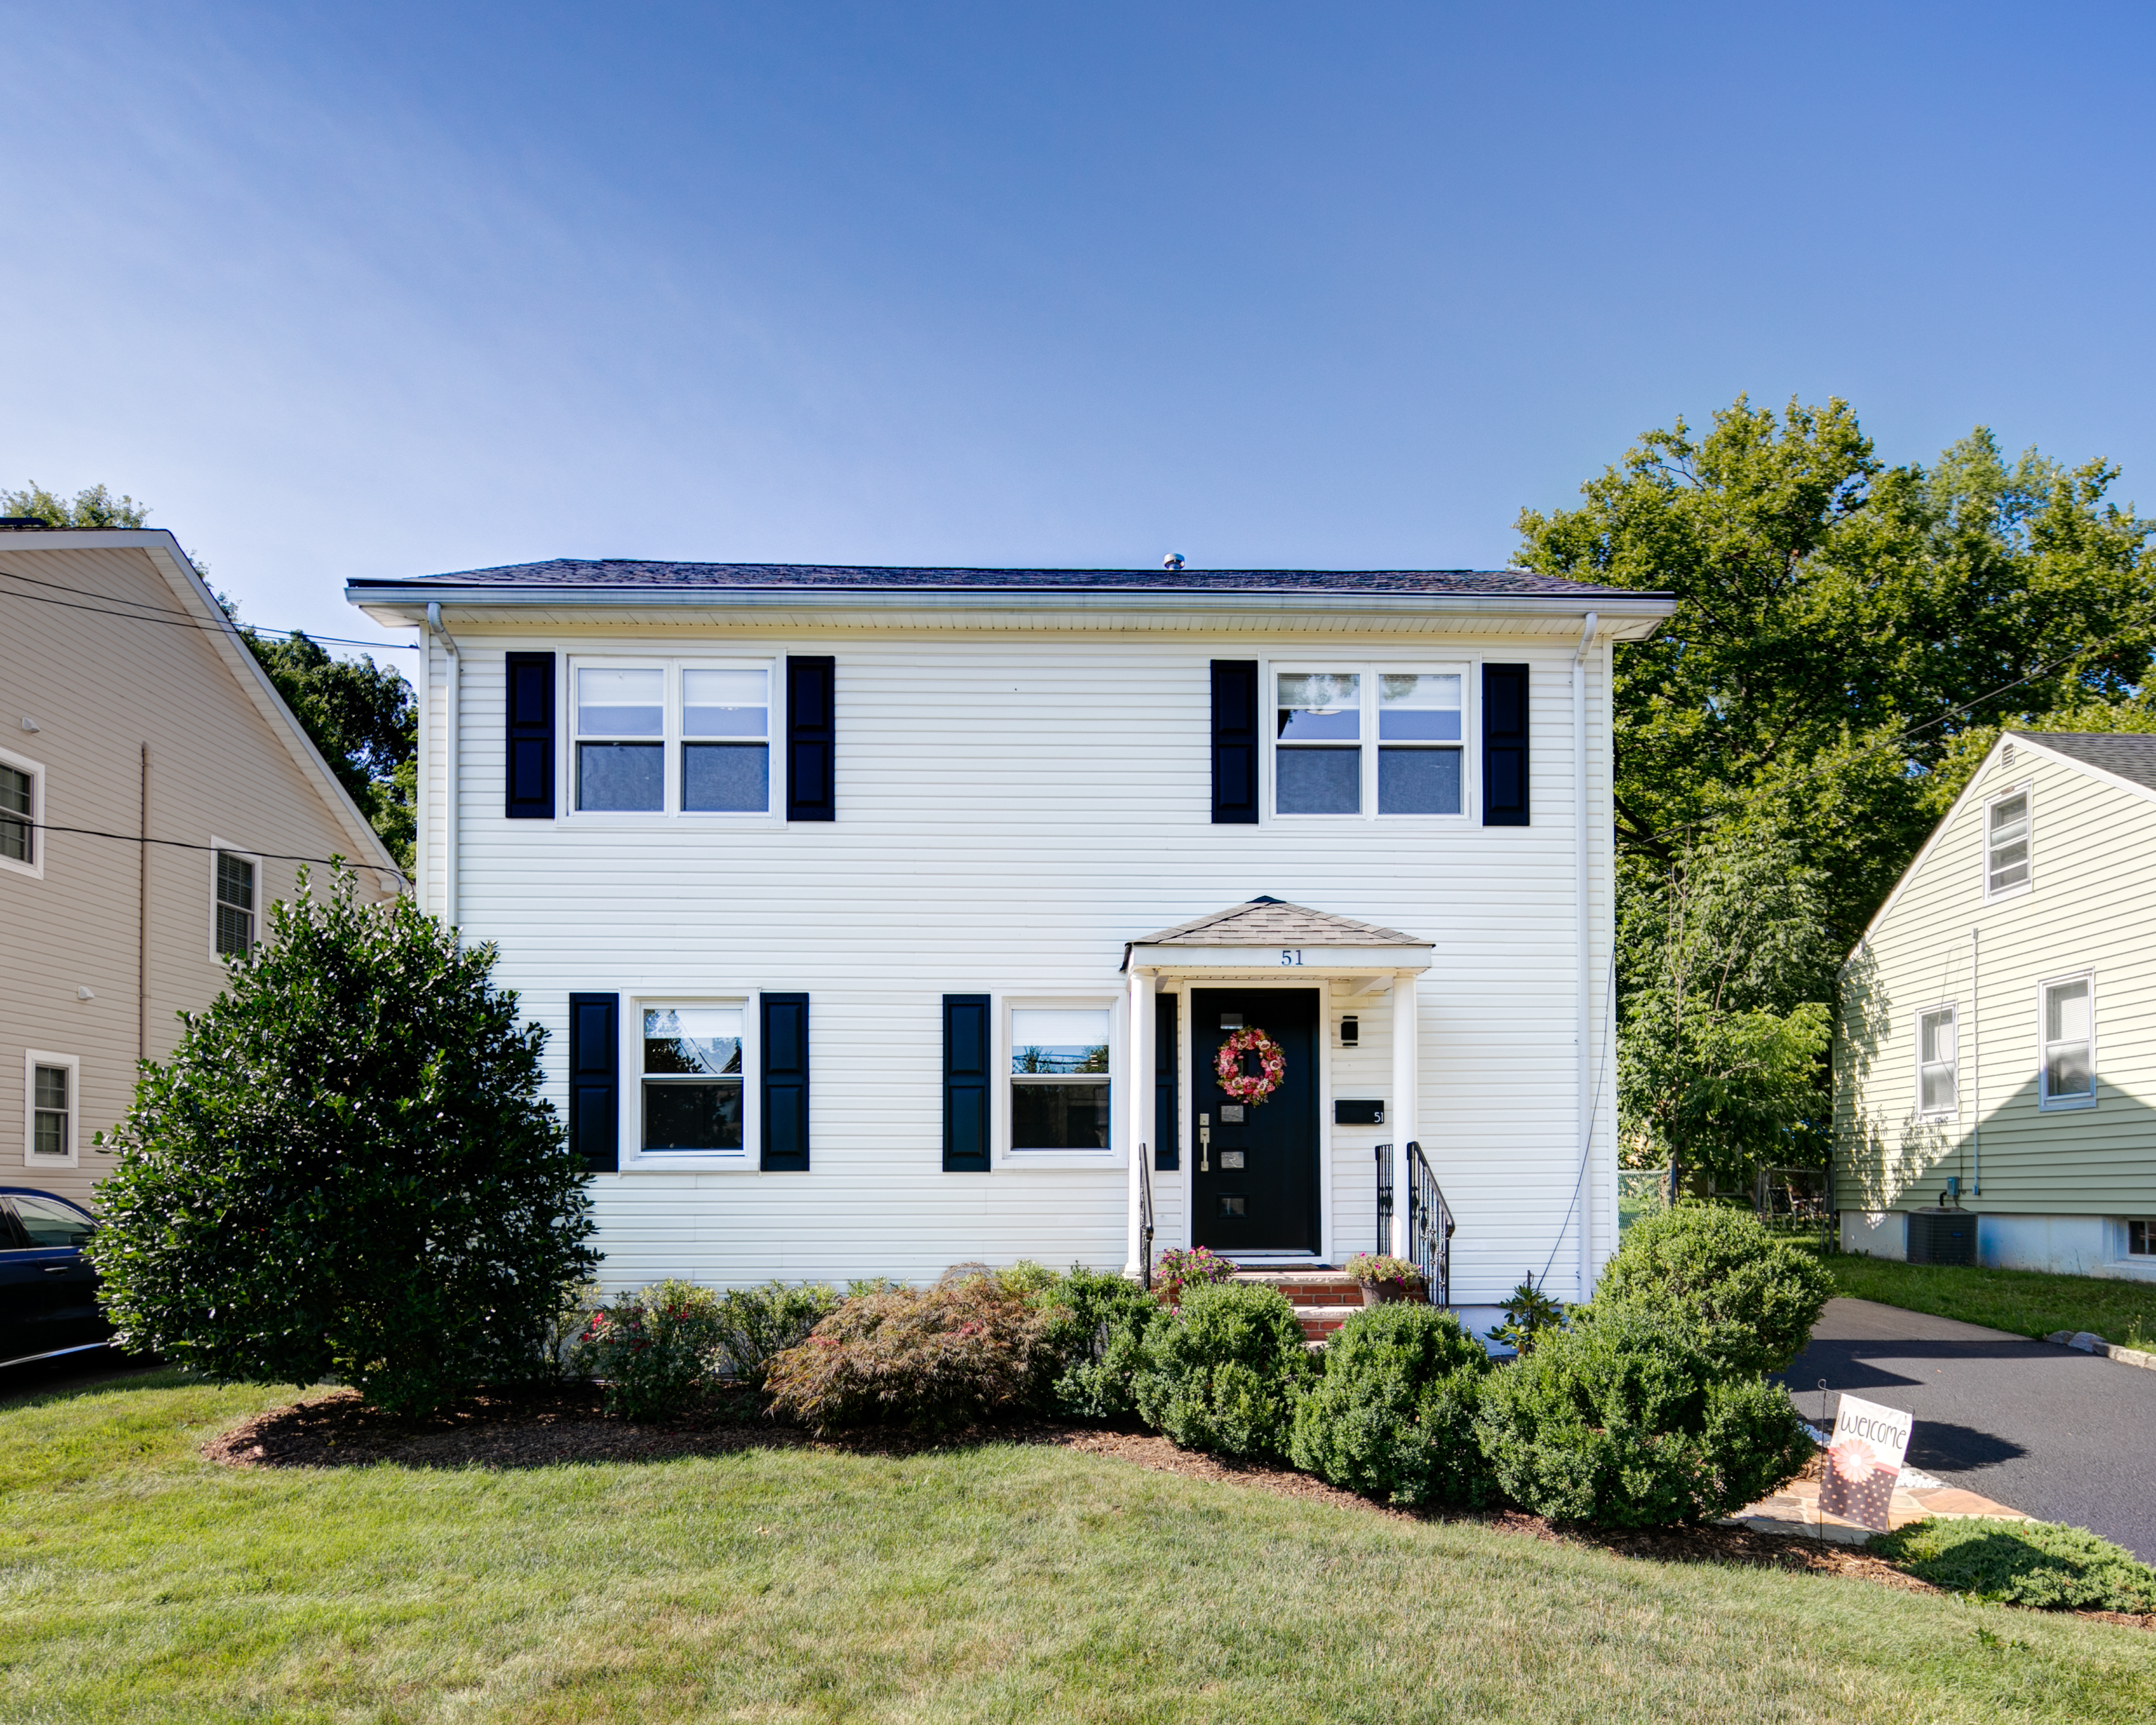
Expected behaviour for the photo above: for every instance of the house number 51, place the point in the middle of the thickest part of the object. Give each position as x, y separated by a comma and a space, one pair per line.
1291, 955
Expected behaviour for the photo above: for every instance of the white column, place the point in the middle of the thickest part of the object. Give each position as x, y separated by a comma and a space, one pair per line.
1400, 1116
1138, 1114
1583, 1206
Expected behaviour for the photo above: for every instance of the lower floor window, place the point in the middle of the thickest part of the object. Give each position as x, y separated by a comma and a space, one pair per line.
51, 1111
1060, 1078
692, 1077
2141, 1239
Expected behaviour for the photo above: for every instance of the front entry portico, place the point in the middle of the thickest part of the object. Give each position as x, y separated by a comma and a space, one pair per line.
1296, 973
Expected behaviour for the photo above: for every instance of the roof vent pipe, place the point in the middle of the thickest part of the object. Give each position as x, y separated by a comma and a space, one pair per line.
1174, 560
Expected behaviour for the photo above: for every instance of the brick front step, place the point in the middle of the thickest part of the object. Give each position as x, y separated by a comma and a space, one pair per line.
1323, 1298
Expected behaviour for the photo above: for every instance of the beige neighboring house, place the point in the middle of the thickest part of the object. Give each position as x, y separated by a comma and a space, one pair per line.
128, 707
1997, 1025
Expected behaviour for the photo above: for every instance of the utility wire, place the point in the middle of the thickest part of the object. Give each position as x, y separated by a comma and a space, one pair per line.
334, 862
178, 621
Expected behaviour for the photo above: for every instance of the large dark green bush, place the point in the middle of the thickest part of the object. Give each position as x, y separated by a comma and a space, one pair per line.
1224, 1372
1394, 1413
930, 1358
345, 1169
655, 1351
1626, 1421
2041, 1563
1748, 1299
752, 1326
1096, 1329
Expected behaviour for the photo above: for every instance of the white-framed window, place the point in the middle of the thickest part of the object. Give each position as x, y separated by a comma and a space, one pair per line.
1368, 740
2008, 823
235, 900
670, 737
21, 813
2141, 1237
692, 1098
1062, 1076
51, 1108
1938, 1066
2066, 1021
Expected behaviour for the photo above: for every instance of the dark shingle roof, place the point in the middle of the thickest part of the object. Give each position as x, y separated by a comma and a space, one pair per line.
569, 574
1275, 923
2129, 754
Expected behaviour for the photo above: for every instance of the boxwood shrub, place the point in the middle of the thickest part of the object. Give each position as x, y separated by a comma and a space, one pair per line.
1625, 1420
1223, 1371
753, 1326
1748, 1299
1096, 1326
1393, 1414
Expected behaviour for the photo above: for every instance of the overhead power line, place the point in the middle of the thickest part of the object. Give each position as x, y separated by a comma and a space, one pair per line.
178, 619
334, 862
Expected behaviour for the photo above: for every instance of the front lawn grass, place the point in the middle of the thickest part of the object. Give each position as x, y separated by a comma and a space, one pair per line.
2028, 1302
1004, 1583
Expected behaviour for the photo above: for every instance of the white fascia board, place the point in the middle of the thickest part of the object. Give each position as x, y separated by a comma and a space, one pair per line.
1625, 617
193, 593
1265, 961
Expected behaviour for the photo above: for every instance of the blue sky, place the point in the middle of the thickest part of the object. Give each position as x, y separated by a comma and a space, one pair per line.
386, 288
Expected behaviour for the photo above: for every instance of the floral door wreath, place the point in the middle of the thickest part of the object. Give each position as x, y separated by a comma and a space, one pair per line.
1249, 1086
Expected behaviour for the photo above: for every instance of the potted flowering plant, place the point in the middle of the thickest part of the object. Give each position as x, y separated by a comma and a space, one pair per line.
1178, 1270
1385, 1278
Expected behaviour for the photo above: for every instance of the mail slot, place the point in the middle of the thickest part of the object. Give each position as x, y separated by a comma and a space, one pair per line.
1346, 1112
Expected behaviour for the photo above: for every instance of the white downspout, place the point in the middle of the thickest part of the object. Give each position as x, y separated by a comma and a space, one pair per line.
1138, 1125
1583, 1076
451, 735
422, 789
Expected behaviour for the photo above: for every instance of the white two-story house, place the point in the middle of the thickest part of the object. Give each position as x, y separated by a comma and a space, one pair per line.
883, 919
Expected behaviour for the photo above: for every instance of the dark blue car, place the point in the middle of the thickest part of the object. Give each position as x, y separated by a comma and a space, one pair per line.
47, 1290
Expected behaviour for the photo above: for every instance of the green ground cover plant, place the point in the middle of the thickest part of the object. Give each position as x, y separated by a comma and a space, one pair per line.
1393, 1414
2025, 1302
140, 1581
2044, 1564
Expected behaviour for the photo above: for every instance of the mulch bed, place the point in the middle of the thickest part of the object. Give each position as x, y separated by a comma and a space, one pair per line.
544, 1428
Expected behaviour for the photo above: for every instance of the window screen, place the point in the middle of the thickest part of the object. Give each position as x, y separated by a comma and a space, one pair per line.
235, 905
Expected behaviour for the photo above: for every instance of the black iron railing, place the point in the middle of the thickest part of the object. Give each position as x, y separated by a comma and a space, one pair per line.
1430, 1228
1384, 1199
1145, 1219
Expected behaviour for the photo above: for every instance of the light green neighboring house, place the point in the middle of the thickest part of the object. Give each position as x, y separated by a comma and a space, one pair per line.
1998, 1019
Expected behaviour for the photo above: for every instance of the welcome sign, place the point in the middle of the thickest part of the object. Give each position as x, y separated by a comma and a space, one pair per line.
1863, 1461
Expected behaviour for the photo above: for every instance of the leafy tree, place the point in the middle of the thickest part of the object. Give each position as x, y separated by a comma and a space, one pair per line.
93, 506
347, 1168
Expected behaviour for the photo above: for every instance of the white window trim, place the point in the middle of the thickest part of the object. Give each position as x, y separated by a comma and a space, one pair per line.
32, 1058
671, 813
218, 847
1369, 670
2044, 1101
1917, 1025
2024, 788
35, 868
634, 1158
1003, 1153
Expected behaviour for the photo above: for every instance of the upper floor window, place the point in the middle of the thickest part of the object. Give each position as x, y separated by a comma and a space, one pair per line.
21, 785
2006, 819
1938, 1066
232, 904
1363, 739
2068, 1078
715, 721
1060, 1078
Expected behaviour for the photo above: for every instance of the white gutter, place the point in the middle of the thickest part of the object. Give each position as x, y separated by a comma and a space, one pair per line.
1583, 1076
451, 733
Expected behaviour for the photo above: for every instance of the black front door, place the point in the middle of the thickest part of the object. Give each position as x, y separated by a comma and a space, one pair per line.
1254, 1185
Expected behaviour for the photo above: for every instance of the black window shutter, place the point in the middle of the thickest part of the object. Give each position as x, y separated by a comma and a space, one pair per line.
529, 774
811, 736
594, 1083
966, 1044
785, 1082
1234, 742
1166, 1105
1504, 746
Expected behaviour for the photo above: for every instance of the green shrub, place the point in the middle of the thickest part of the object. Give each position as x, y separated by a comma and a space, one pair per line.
750, 1325
930, 1358
1224, 1373
1626, 1421
2040, 1563
655, 1351
1096, 1328
1393, 1414
1751, 1299
346, 1169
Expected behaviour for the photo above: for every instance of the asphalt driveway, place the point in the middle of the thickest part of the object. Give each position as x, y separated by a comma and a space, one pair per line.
2062, 1435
